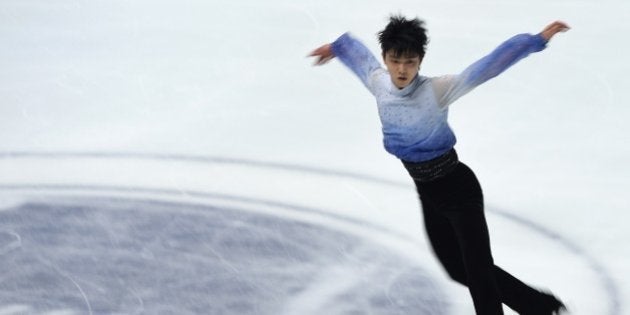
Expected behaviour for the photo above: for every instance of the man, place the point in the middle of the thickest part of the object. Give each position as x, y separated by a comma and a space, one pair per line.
413, 110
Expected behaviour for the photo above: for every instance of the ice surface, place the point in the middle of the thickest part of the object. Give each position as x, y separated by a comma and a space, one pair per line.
118, 256
129, 129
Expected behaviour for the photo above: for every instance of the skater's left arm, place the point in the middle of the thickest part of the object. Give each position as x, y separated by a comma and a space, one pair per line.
451, 87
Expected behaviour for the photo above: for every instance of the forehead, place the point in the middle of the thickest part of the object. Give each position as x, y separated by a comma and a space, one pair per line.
391, 54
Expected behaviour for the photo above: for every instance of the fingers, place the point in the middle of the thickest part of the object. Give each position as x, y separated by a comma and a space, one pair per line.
322, 60
558, 26
323, 54
316, 52
554, 28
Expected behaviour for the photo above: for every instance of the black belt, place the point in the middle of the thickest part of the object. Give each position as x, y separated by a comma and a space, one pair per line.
432, 169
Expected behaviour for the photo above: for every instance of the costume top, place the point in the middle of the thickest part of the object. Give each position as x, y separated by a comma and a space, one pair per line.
414, 119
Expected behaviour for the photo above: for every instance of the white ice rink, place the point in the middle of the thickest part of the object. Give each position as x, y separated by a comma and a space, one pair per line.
184, 157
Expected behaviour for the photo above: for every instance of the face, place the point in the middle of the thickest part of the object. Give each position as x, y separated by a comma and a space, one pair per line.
402, 68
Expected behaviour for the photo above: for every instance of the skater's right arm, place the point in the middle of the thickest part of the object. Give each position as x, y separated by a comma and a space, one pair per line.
353, 54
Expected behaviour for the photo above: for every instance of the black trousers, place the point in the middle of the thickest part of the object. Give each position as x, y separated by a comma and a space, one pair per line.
456, 227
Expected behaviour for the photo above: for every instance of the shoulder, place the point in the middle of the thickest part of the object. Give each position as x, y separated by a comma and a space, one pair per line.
379, 81
443, 79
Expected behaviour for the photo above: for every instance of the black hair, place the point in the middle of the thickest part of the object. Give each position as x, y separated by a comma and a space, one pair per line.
403, 36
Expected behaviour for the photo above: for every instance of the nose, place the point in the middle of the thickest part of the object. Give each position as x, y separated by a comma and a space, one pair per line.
401, 69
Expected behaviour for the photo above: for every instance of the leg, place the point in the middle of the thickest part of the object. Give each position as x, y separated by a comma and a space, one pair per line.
471, 233
444, 242
456, 227
459, 236
471, 228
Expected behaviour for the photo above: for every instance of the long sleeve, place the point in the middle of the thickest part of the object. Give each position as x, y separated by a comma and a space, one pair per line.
357, 57
451, 87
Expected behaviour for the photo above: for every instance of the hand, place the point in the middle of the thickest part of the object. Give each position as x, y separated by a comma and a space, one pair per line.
554, 28
323, 54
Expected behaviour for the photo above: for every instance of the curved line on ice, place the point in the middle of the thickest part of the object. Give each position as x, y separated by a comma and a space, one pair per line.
436, 307
605, 278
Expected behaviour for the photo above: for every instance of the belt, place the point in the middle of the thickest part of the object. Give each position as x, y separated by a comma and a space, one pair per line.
433, 169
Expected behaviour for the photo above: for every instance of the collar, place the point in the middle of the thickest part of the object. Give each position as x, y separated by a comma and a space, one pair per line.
407, 90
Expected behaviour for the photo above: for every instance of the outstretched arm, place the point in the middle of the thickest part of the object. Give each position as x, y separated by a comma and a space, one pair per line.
351, 53
324, 53
510, 52
451, 87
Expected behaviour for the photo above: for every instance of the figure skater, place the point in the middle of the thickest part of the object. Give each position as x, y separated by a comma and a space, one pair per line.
413, 110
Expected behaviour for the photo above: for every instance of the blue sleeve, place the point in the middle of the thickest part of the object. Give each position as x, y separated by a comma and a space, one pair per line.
503, 57
357, 57
450, 88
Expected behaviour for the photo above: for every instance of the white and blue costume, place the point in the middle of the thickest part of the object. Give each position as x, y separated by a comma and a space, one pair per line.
415, 130
414, 119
